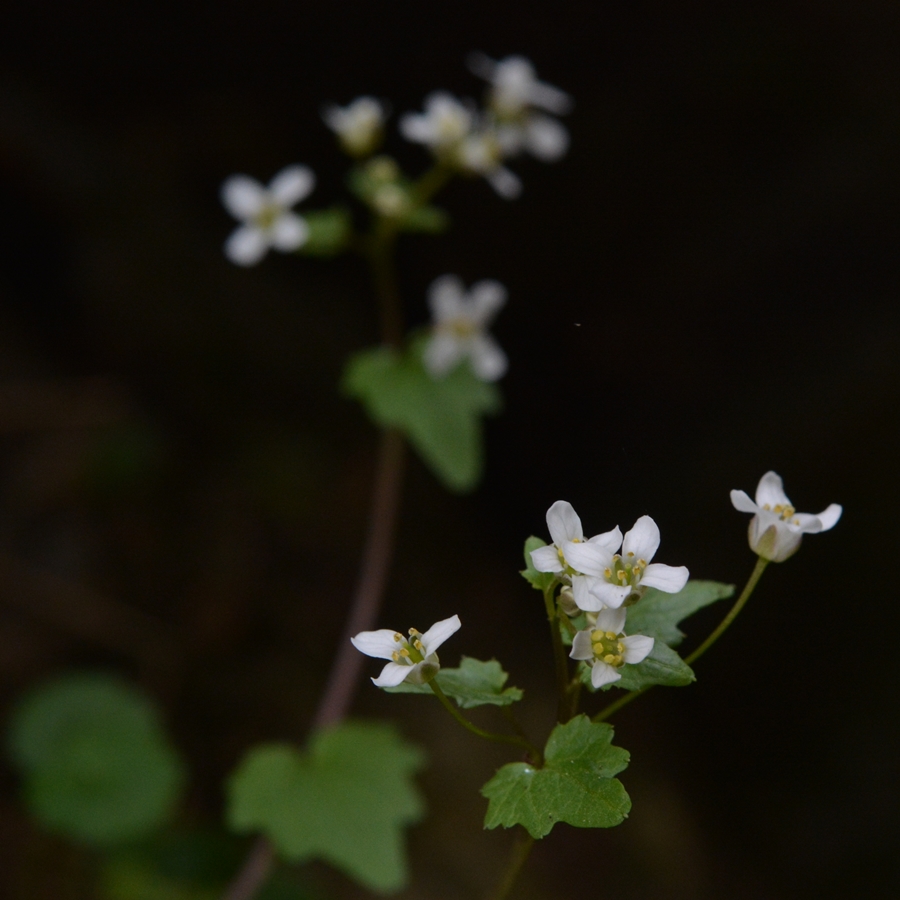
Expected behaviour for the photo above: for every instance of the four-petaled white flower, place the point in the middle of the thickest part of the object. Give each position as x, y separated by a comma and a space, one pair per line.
514, 94
482, 154
442, 126
358, 125
606, 648
460, 320
412, 659
776, 528
567, 533
266, 214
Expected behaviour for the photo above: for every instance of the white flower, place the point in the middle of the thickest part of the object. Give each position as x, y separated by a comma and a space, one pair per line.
358, 125
606, 648
482, 153
515, 92
266, 214
565, 529
413, 659
776, 528
618, 576
442, 126
460, 320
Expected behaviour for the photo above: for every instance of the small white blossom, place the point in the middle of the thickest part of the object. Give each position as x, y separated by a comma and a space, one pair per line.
567, 533
482, 154
411, 658
443, 125
606, 648
514, 94
459, 327
359, 125
776, 528
266, 214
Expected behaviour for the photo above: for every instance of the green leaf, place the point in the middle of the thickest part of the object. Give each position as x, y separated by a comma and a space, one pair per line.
330, 231
345, 800
576, 784
425, 219
474, 683
441, 417
97, 765
663, 666
539, 580
657, 614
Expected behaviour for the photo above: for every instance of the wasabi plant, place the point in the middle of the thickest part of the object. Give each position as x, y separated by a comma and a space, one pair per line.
613, 614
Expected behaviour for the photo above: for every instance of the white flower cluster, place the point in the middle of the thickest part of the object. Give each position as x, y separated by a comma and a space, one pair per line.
605, 574
478, 141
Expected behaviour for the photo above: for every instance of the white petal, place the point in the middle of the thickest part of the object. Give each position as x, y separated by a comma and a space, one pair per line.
291, 185
770, 490
505, 183
288, 232
581, 593
442, 353
246, 246
670, 579
380, 644
243, 196
610, 595
602, 674
563, 523
609, 540
642, 540
489, 362
546, 138
805, 523
637, 648
446, 298
546, 559
439, 632
486, 298
550, 98
416, 128
741, 502
581, 645
587, 558
392, 674
830, 516
611, 620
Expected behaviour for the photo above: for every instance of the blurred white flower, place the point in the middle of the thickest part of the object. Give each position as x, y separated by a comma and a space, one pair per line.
359, 125
606, 648
266, 214
776, 528
515, 92
442, 126
482, 153
460, 320
412, 659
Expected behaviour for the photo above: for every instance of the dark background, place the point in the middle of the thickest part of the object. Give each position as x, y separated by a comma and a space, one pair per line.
705, 288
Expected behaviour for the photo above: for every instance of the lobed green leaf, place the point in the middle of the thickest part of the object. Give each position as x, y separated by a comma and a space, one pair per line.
575, 785
441, 417
96, 763
474, 683
345, 800
658, 614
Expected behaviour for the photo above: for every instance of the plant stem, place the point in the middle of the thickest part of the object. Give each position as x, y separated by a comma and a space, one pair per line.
487, 735
520, 851
559, 656
254, 873
755, 575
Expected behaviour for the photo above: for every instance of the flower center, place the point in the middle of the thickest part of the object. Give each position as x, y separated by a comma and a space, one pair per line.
410, 651
608, 647
460, 328
625, 570
784, 510
267, 215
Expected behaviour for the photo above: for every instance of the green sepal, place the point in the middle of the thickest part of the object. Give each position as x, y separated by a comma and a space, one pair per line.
345, 800
657, 614
662, 666
96, 762
441, 417
330, 231
575, 785
474, 683
541, 581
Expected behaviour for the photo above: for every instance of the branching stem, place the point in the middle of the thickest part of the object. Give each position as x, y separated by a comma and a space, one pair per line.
520, 851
